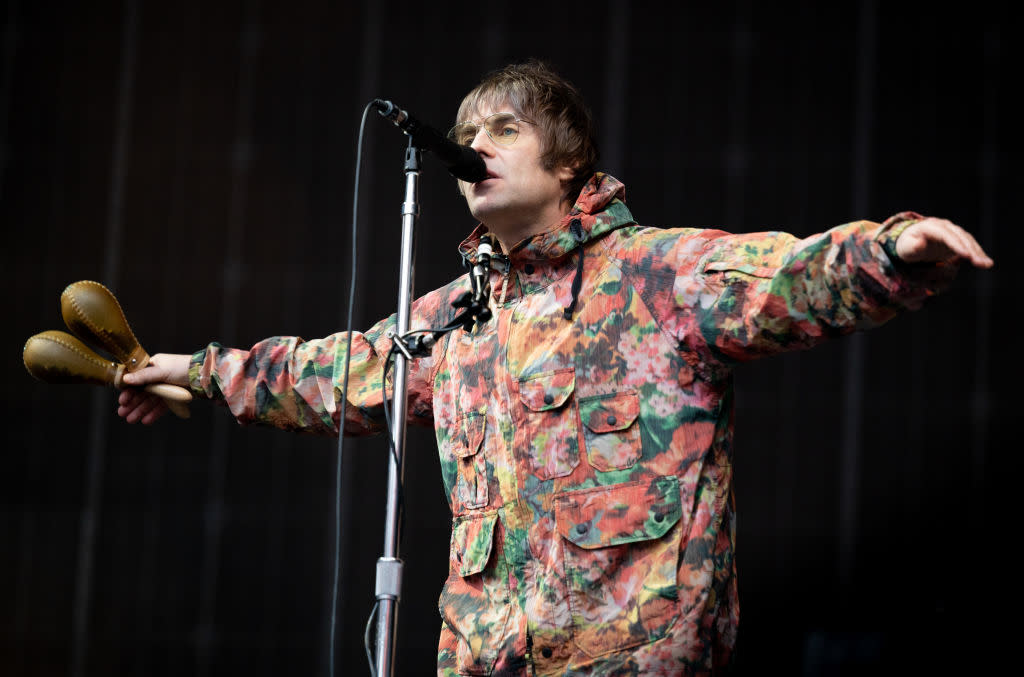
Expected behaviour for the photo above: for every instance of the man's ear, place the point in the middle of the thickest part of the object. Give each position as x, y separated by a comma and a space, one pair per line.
565, 176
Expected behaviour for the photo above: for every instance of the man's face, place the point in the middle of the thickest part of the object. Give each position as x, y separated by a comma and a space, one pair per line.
519, 198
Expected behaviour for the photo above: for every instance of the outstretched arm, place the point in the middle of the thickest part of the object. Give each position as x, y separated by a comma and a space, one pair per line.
137, 405
771, 292
932, 240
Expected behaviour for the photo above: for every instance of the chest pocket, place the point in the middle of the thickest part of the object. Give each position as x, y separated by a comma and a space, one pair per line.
611, 430
622, 545
550, 430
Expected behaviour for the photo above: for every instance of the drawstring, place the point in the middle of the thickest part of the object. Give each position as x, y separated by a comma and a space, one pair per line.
577, 232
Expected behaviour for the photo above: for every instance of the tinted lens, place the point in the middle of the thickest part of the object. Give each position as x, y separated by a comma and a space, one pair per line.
502, 127
463, 133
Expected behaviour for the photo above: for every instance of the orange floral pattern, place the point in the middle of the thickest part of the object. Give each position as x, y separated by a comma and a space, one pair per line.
586, 449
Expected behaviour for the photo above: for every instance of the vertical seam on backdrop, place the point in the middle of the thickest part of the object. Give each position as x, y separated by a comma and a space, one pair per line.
981, 401
853, 394
369, 81
617, 88
241, 157
736, 150
90, 515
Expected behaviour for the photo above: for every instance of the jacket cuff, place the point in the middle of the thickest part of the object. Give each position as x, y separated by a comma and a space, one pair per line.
195, 373
891, 230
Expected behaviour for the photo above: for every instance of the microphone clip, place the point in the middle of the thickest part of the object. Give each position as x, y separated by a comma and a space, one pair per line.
475, 306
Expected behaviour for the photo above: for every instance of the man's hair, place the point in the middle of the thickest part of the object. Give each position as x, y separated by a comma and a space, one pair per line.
554, 105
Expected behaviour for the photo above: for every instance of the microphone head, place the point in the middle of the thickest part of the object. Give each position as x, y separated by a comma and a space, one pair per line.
472, 169
462, 161
389, 110
486, 246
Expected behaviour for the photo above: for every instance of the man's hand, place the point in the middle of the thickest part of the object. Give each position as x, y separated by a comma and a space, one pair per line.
137, 405
931, 240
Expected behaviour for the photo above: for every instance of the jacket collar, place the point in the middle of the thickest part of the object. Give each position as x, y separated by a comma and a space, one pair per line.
600, 209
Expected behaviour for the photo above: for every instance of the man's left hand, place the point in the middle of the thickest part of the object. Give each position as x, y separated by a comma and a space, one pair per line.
931, 240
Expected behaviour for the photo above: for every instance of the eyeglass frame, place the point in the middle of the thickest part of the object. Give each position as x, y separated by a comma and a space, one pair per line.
451, 132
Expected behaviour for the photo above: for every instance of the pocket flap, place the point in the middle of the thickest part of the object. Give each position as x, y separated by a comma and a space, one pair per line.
738, 267
471, 542
743, 256
605, 413
470, 435
549, 390
620, 513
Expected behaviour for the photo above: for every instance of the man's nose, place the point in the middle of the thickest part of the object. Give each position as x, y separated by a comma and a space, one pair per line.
482, 143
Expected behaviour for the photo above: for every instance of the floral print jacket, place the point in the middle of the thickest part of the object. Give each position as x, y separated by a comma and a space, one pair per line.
585, 431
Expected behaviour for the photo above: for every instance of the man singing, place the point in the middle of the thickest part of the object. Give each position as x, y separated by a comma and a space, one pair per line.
586, 429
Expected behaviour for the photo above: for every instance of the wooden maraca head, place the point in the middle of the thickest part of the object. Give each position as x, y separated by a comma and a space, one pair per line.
59, 357
93, 314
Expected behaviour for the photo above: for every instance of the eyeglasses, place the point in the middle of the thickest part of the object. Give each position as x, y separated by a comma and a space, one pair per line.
503, 128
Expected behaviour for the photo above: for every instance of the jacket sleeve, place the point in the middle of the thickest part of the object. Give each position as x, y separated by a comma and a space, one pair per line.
763, 293
297, 385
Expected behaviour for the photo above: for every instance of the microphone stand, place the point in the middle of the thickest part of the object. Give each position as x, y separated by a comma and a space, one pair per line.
407, 346
389, 566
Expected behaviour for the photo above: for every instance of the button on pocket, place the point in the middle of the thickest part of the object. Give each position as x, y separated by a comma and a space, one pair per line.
549, 428
611, 430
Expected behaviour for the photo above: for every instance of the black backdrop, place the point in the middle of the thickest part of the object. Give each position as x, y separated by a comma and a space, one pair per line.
198, 159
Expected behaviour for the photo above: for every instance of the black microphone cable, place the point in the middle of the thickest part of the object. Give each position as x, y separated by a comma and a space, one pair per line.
344, 398
341, 420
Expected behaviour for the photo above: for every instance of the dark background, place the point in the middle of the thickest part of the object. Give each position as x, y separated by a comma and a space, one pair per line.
198, 159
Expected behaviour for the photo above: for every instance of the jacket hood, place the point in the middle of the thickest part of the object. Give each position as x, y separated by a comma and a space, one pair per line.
600, 209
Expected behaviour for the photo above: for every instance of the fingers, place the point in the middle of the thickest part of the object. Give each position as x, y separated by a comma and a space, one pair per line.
138, 406
972, 250
162, 368
151, 373
933, 240
964, 244
155, 413
960, 242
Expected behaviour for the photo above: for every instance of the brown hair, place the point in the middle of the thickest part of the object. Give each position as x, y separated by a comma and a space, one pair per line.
552, 103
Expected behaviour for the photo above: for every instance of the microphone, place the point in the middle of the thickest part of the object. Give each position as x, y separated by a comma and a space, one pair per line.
480, 276
462, 162
474, 302
482, 267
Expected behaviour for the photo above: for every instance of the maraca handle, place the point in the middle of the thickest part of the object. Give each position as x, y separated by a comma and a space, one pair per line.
169, 392
175, 397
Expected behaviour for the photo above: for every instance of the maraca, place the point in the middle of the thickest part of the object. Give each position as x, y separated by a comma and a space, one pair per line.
93, 314
58, 357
